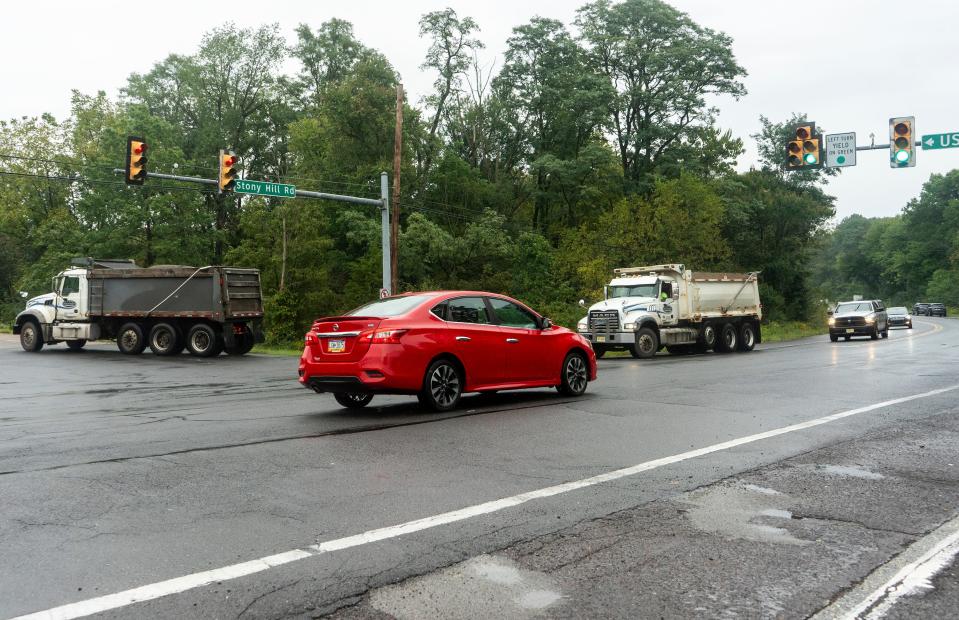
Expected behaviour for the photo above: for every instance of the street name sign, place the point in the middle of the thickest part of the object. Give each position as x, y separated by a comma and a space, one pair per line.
841, 149
264, 188
941, 141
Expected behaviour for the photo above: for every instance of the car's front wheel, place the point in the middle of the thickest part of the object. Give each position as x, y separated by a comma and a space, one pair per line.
442, 386
353, 400
575, 375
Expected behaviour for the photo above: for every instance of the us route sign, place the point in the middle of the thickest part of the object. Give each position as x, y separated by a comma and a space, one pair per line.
263, 188
941, 141
841, 149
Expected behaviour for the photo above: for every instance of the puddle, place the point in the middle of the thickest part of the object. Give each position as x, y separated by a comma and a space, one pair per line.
486, 586
851, 472
740, 512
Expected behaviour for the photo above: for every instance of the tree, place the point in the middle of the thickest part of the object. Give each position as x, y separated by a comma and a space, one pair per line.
663, 66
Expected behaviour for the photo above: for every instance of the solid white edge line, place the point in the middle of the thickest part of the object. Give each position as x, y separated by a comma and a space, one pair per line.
188, 582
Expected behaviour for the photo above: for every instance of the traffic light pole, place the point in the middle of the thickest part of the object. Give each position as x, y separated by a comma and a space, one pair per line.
882, 147
383, 203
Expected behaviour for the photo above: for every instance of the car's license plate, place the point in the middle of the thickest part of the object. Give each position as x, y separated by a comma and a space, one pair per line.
336, 346
600, 338
850, 330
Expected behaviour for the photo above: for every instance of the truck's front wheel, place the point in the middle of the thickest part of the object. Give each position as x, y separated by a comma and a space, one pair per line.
646, 345
130, 339
31, 337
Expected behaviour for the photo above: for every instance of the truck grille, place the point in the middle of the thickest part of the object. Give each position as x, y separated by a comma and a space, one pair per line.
850, 321
603, 321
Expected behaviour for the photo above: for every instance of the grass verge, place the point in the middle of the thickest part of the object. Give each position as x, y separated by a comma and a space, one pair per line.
287, 350
781, 331
5, 328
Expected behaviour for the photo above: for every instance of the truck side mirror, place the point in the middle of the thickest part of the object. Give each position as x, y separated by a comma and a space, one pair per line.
582, 302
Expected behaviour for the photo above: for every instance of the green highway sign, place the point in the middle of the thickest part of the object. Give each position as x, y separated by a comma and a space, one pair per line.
264, 188
941, 141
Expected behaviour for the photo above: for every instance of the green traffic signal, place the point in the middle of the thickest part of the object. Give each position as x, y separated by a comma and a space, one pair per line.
810, 158
902, 156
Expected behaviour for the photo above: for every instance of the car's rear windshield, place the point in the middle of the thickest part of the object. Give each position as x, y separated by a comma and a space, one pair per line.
897, 310
391, 306
856, 306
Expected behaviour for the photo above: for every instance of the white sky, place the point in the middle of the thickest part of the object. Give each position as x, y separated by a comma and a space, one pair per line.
844, 63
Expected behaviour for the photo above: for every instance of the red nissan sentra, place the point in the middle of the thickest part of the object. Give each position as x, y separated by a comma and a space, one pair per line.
439, 345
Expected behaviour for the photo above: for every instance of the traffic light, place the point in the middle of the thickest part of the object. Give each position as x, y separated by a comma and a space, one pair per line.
136, 167
804, 149
227, 170
901, 142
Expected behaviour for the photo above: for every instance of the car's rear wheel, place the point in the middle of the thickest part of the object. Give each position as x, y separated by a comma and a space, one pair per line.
442, 386
353, 400
575, 375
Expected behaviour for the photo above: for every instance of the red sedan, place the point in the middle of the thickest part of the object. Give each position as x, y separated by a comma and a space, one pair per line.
439, 345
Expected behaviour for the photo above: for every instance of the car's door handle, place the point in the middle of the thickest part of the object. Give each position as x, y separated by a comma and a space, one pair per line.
462, 338
512, 340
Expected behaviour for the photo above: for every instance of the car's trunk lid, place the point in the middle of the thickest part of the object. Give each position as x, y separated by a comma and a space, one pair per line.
342, 338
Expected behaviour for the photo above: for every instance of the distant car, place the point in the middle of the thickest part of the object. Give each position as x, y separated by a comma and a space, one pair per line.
859, 318
899, 317
438, 345
936, 310
920, 308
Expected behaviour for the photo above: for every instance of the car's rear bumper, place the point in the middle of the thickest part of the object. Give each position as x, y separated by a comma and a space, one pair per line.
376, 372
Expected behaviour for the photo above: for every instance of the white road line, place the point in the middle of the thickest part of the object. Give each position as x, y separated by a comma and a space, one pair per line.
909, 572
196, 580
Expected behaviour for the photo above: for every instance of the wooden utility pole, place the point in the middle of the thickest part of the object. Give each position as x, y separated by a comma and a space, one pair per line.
395, 216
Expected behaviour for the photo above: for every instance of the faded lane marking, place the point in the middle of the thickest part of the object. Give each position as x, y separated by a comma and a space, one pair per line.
196, 580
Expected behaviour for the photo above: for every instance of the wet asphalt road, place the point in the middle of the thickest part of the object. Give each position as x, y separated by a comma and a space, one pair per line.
117, 473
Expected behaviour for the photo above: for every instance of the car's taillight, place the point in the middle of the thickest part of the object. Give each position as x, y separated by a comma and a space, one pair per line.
386, 336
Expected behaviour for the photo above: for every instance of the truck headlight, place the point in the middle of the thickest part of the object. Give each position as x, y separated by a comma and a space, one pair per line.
582, 326
870, 318
630, 327
831, 321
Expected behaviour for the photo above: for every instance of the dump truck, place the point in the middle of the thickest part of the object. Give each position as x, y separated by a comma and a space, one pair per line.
206, 310
651, 307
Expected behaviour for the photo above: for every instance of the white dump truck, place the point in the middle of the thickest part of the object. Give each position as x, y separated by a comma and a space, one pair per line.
647, 308
207, 310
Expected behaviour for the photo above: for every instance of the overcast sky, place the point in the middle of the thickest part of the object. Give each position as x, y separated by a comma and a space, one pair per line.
844, 63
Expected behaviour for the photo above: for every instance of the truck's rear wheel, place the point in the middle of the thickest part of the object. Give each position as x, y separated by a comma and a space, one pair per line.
646, 345
728, 339
747, 337
203, 341
75, 345
708, 337
130, 339
243, 344
31, 336
165, 339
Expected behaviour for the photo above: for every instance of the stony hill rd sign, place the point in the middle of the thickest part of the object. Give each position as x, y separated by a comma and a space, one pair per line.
263, 188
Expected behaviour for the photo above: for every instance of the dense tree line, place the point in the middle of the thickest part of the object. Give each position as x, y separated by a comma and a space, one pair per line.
588, 146
911, 257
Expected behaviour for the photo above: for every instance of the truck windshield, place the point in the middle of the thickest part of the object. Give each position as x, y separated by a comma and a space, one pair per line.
635, 290
861, 306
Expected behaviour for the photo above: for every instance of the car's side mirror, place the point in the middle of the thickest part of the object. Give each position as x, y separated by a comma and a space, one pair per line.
582, 302
546, 323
